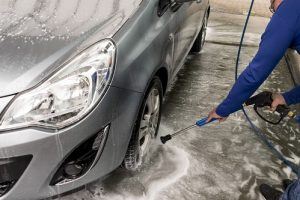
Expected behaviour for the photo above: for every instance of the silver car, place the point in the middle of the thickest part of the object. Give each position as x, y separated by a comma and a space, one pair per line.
82, 84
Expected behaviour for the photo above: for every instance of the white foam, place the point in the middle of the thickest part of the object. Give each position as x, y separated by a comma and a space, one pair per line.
155, 183
181, 161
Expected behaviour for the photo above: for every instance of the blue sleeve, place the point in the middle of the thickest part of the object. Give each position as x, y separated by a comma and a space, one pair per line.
275, 41
293, 96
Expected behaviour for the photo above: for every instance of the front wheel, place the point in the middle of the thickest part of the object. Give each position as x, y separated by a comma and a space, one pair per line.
146, 126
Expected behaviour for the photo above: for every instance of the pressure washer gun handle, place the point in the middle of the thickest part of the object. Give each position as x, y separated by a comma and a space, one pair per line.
260, 100
203, 122
284, 111
264, 99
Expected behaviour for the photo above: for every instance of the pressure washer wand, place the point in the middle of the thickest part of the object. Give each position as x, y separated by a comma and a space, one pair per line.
199, 123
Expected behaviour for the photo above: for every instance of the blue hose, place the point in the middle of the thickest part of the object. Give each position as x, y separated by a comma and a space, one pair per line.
257, 131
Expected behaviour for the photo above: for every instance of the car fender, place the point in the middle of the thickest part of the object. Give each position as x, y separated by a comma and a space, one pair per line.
144, 45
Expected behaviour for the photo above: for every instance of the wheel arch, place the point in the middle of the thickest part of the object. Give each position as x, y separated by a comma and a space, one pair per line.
208, 11
162, 74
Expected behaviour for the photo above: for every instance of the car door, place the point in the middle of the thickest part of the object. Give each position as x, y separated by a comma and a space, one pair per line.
169, 19
189, 21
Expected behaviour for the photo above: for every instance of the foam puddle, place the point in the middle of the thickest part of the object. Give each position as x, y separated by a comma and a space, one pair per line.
172, 163
165, 166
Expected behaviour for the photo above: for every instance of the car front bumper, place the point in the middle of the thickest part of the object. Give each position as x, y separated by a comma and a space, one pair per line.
118, 109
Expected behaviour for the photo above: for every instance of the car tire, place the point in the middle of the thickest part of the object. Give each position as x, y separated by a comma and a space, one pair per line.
146, 126
200, 40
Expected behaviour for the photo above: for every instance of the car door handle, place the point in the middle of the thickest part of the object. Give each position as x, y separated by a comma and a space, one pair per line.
176, 4
163, 6
184, 1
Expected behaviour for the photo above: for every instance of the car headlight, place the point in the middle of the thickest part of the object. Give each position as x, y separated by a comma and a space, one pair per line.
68, 95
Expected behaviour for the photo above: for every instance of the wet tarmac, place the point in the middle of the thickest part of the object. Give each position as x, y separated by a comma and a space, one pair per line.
219, 161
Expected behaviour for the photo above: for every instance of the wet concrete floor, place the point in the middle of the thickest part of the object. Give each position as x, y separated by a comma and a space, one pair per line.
219, 161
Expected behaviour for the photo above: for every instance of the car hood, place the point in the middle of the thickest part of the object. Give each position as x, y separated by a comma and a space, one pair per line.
36, 37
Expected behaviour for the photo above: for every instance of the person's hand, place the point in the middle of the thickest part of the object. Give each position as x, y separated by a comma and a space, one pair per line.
214, 115
278, 99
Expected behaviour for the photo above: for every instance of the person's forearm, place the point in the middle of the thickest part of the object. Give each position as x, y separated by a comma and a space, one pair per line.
245, 86
293, 96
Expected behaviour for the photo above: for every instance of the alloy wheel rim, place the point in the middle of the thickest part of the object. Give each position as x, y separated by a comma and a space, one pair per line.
149, 122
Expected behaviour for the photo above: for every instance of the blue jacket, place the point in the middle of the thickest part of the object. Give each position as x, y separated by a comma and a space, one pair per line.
282, 32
